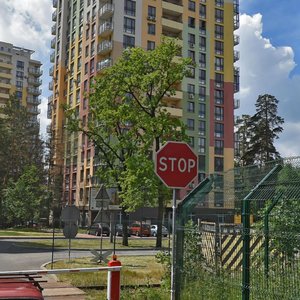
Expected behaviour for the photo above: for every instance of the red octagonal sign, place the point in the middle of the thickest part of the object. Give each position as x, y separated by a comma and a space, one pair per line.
176, 164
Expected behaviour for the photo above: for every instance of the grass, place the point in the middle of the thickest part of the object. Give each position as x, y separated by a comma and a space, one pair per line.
136, 271
25, 232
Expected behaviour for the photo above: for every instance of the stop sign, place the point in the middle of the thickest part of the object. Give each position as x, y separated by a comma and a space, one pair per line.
176, 164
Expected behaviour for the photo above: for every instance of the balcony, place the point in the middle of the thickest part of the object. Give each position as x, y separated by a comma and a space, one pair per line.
236, 22
53, 42
34, 91
51, 86
106, 11
106, 63
174, 111
236, 39
236, 103
33, 100
236, 55
105, 29
104, 47
4, 95
54, 3
177, 96
171, 25
54, 16
172, 6
35, 71
52, 57
5, 85
35, 81
53, 29
51, 71
34, 110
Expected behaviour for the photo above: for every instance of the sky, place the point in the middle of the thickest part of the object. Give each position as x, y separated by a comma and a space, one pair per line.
269, 55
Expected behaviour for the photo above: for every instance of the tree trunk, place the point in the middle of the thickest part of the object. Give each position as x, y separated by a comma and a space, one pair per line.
159, 219
125, 219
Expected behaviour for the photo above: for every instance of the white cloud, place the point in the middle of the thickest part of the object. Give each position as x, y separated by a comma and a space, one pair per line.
44, 121
265, 68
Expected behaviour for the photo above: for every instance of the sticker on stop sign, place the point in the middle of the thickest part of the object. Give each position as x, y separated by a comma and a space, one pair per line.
176, 164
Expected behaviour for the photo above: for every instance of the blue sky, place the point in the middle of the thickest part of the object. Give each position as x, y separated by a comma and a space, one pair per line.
269, 54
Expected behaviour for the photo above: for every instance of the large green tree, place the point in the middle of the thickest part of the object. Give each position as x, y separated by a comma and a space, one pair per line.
129, 121
21, 145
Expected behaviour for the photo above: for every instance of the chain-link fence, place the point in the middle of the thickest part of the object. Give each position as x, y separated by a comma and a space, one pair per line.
238, 235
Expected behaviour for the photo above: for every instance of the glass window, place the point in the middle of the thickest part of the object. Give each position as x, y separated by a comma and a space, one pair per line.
190, 124
191, 22
219, 199
219, 147
19, 84
219, 80
219, 47
151, 28
128, 41
192, 5
201, 162
191, 88
202, 11
202, 92
20, 74
202, 76
219, 113
219, 130
20, 64
152, 12
202, 127
219, 15
190, 106
219, 31
202, 110
129, 25
219, 63
19, 94
220, 3
202, 59
191, 40
201, 144
191, 141
129, 7
150, 45
191, 55
219, 96
202, 27
219, 164
202, 43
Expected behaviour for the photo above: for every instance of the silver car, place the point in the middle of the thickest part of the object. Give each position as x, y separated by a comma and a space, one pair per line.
164, 230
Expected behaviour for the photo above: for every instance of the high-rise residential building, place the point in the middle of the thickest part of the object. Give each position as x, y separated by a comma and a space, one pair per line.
89, 36
20, 75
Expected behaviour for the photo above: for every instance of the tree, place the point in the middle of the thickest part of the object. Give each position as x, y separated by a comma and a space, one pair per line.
129, 121
266, 126
21, 145
23, 198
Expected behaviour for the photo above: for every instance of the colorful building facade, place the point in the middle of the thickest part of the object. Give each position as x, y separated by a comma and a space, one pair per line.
90, 35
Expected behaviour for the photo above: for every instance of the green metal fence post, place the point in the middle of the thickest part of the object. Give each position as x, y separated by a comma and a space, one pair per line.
246, 235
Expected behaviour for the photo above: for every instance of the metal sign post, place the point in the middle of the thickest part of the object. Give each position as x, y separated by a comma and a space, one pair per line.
173, 245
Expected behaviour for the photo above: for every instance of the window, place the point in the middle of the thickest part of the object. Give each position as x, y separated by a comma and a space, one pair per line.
93, 48
219, 80
129, 25
202, 11
202, 27
219, 64
87, 51
202, 43
219, 130
202, 76
202, 127
219, 113
190, 124
202, 60
219, 147
220, 3
219, 164
191, 55
150, 45
201, 144
129, 7
19, 94
20, 74
190, 106
86, 68
202, 93
191, 88
128, 41
20, 64
201, 162
93, 31
191, 40
151, 12
192, 5
151, 28
219, 199
19, 84
191, 73
191, 141
219, 31
219, 96
219, 47
219, 15
202, 110
92, 66
191, 22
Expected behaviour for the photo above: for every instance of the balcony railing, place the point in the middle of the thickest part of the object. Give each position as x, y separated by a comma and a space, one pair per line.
106, 11
34, 110
104, 47
33, 100
34, 91
53, 29
51, 71
54, 3
54, 16
35, 81
53, 42
236, 39
104, 64
35, 71
236, 55
106, 28
236, 103
50, 85
52, 57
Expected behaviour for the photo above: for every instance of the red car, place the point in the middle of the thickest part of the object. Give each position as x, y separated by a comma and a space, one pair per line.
23, 287
136, 229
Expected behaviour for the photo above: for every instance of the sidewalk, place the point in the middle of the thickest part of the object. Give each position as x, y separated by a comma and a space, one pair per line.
54, 290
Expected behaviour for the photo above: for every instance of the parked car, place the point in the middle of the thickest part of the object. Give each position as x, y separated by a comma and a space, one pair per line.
164, 230
96, 229
119, 230
136, 229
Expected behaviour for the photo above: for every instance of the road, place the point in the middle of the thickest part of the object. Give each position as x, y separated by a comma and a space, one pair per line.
14, 256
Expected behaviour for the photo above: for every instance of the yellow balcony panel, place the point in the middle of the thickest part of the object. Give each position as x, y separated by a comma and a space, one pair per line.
5, 85
5, 75
172, 7
4, 96
171, 25
6, 65
174, 112
178, 96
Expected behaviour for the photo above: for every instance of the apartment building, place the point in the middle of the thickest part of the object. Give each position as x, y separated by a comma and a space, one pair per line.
20, 75
90, 35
